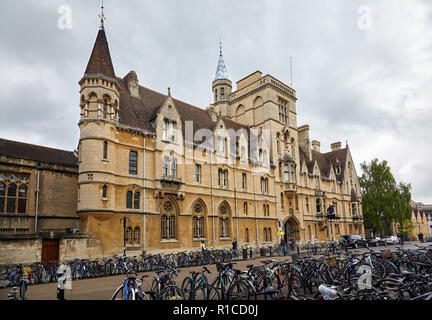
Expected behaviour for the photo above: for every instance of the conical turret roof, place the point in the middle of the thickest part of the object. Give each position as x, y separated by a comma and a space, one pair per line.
100, 59
221, 71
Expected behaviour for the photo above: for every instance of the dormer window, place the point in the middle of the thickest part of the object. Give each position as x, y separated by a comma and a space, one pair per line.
168, 130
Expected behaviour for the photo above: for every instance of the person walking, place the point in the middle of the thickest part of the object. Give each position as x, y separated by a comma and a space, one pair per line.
292, 242
61, 280
420, 236
203, 246
234, 248
399, 235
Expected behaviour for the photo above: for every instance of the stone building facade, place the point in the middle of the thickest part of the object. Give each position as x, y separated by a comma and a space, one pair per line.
421, 220
38, 202
240, 169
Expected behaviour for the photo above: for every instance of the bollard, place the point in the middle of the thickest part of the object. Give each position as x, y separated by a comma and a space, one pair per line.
298, 250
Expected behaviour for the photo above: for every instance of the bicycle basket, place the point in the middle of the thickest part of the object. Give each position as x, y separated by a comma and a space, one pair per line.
331, 261
386, 254
219, 267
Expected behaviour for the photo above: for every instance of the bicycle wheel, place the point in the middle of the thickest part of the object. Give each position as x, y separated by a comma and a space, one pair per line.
222, 283
120, 294
206, 292
171, 292
187, 286
239, 291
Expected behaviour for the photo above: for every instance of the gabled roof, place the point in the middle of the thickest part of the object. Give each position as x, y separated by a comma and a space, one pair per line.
138, 112
100, 58
325, 160
37, 153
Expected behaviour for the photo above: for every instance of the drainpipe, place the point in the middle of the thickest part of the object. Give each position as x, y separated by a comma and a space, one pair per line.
255, 202
144, 196
212, 197
235, 202
37, 200
276, 203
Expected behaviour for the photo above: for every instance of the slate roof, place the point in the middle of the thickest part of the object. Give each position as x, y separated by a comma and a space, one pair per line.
100, 58
325, 160
37, 153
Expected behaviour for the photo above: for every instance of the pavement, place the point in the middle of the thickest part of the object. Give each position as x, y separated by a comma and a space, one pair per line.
103, 288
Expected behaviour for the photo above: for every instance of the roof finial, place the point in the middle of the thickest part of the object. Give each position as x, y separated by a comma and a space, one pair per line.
220, 46
221, 71
169, 92
102, 17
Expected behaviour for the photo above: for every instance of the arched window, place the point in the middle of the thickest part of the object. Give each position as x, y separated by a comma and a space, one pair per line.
198, 220
223, 221
22, 198
13, 193
104, 192
136, 200
245, 208
168, 221
129, 200
136, 235
244, 181
11, 198
222, 93
129, 235
105, 106
216, 97
247, 235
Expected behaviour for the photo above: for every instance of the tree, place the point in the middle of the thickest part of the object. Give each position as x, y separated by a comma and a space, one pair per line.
383, 200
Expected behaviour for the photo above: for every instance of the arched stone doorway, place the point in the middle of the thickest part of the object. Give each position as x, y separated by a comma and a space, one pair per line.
292, 229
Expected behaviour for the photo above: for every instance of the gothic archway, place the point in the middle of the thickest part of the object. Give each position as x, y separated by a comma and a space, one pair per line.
292, 229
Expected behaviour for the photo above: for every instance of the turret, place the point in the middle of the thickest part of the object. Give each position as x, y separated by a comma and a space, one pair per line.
221, 87
100, 90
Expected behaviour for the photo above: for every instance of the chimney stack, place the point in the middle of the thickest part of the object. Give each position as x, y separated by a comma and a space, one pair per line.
316, 145
336, 146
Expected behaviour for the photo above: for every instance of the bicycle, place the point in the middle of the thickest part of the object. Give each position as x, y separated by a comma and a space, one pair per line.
198, 288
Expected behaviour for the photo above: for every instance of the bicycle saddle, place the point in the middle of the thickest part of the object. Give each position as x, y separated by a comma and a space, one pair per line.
271, 290
249, 266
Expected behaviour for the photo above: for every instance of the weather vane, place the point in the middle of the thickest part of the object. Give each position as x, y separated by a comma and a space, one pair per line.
102, 17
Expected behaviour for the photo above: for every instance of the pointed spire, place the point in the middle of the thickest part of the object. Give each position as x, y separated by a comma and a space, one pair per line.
221, 71
100, 59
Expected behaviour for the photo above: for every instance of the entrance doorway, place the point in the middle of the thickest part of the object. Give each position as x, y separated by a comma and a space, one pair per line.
50, 251
292, 230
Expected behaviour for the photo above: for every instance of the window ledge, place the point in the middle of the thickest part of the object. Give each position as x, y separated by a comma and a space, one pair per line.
199, 239
225, 239
169, 241
104, 199
105, 160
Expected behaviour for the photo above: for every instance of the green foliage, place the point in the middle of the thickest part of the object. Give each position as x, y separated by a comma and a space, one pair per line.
383, 200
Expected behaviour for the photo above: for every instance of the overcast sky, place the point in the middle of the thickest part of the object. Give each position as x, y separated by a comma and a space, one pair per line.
365, 81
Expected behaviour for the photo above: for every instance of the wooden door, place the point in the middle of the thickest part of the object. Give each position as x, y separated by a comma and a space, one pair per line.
50, 250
